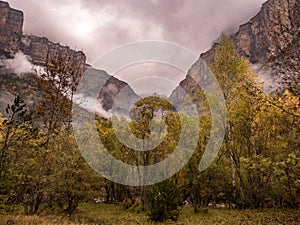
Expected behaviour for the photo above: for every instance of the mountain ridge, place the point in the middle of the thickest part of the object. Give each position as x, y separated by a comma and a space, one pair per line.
275, 25
269, 40
41, 49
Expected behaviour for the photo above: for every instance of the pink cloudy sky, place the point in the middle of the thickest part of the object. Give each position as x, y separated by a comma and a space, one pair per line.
97, 26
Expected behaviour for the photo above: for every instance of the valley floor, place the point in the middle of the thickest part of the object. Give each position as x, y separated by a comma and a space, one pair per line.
115, 215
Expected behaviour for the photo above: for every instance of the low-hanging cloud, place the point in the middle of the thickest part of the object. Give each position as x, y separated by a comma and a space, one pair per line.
20, 64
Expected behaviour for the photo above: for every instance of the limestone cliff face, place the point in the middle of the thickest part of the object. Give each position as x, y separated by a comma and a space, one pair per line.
40, 49
267, 34
110, 91
270, 40
117, 95
11, 24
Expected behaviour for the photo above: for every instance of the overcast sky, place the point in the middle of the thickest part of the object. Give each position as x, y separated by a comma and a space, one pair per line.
97, 26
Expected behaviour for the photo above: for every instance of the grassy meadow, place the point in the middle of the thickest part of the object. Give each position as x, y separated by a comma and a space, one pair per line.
110, 214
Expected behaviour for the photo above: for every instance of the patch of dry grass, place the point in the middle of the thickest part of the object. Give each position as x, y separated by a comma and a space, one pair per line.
100, 214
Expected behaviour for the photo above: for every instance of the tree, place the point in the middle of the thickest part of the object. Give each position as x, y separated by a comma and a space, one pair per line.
19, 178
18, 117
242, 97
260, 141
63, 168
71, 179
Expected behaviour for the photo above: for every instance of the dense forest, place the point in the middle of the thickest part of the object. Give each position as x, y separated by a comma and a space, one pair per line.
41, 167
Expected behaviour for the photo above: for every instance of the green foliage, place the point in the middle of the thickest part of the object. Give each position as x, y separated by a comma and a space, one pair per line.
164, 201
257, 167
18, 119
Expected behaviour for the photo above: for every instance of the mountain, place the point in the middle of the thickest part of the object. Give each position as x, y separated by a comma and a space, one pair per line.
18, 48
270, 40
12, 39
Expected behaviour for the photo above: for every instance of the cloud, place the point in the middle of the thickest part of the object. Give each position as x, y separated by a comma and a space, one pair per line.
97, 26
143, 78
20, 64
91, 104
266, 77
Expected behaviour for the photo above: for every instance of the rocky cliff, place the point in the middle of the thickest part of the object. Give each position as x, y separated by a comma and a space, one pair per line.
40, 49
11, 24
111, 90
268, 33
270, 40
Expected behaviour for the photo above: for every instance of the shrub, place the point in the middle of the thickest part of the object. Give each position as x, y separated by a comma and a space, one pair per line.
164, 201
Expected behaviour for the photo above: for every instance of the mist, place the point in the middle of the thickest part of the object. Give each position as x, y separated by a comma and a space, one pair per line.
20, 64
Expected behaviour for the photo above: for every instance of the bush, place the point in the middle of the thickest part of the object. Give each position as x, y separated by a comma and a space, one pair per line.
164, 200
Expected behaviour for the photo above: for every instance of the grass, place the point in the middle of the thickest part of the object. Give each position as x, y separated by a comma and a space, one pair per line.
111, 214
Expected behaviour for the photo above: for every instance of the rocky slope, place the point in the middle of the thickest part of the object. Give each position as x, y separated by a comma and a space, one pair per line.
270, 40
11, 24
40, 49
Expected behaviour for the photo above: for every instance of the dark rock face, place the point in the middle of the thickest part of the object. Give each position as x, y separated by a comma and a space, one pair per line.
109, 95
273, 29
109, 92
11, 24
270, 39
40, 49
270, 31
